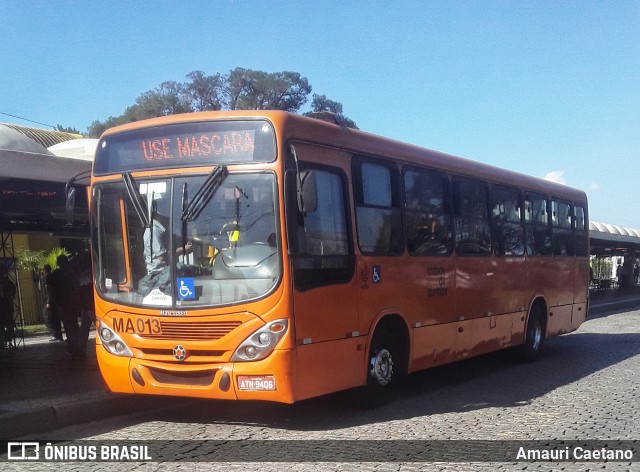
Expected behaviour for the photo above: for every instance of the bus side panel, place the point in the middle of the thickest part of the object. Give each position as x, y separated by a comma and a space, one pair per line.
510, 280
482, 335
428, 295
578, 316
433, 345
329, 367
476, 287
582, 280
559, 320
555, 275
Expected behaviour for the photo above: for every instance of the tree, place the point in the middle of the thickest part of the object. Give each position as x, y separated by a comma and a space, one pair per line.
169, 98
330, 110
240, 89
204, 91
66, 129
322, 103
248, 89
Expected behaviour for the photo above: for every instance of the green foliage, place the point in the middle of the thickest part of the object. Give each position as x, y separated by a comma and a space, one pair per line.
321, 105
52, 256
66, 129
27, 259
240, 89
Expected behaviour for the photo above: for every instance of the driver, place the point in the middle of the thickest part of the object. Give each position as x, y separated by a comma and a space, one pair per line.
155, 245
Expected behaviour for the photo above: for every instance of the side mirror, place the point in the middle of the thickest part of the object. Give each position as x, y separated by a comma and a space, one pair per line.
70, 205
70, 195
308, 194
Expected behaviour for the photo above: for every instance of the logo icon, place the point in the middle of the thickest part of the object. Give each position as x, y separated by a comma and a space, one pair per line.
180, 353
186, 288
23, 451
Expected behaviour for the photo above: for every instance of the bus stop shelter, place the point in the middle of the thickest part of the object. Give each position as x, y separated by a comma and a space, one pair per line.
614, 255
33, 175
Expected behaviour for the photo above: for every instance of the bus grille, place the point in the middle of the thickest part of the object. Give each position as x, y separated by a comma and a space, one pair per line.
193, 331
202, 378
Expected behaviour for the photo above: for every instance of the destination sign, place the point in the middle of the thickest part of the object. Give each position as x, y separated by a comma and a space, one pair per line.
186, 144
239, 145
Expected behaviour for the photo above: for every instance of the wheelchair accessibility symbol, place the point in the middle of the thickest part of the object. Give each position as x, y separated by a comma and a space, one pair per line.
186, 288
376, 276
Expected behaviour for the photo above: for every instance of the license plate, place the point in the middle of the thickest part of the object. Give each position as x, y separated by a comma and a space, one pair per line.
136, 325
256, 382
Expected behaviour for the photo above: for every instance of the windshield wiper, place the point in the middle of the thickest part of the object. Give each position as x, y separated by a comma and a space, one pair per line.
204, 194
136, 199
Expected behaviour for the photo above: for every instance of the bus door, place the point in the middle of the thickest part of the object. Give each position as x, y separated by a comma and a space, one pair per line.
329, 347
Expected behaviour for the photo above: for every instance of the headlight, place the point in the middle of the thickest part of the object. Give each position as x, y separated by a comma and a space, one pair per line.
112, 342
261, 343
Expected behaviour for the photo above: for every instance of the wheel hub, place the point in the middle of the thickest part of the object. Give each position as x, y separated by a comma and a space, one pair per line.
382, 367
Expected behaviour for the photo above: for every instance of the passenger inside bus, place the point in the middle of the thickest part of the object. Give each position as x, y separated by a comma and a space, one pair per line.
155, 254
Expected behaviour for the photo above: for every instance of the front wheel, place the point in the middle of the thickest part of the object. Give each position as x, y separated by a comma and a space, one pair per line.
531, 350
381, 371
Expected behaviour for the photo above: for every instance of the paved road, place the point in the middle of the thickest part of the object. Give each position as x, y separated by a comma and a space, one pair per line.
586, 387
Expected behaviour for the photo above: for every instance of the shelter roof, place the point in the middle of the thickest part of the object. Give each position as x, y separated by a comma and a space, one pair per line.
43, 137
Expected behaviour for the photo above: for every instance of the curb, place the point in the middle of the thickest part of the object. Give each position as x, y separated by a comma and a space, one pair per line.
605, 307
48, 418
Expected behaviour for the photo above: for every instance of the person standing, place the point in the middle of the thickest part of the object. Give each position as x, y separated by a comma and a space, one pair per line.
66, 301
51, 317
7, 294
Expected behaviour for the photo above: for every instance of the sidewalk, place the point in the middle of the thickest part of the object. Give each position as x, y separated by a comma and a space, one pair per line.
49, 390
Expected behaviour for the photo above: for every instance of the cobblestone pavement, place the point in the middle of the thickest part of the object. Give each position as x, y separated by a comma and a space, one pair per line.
585, 387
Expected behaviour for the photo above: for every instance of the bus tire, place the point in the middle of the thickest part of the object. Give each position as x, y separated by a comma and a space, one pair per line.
381, 369
531, 350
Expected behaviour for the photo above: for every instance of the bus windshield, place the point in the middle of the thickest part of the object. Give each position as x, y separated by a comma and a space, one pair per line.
186, 241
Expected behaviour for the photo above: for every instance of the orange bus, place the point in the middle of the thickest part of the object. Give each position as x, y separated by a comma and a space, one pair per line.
271, 256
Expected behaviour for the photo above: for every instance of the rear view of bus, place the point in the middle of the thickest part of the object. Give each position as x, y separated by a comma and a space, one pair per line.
188, 264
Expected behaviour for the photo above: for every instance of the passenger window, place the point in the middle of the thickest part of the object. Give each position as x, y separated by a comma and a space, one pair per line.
378, 215
538, 234
472, 229
508, 233
427, 213
581, 231
562, 234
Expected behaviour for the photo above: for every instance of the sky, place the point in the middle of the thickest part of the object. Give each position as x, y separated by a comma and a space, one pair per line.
546, 88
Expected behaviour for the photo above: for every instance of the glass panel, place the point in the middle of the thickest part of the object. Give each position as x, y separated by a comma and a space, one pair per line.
186, 144
427, 218
538, 231
561, 214
376, 185
325, 229
473, 234
228, 254
378, 214
508, 233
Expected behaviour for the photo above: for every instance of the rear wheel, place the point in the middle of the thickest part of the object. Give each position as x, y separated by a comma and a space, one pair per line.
531, 350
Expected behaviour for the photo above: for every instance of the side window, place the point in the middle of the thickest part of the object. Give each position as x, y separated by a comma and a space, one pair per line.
538, 235
325, 229
580, 231
320, 236
562, 234
473, 233
508, 233
427, 213
378, 215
